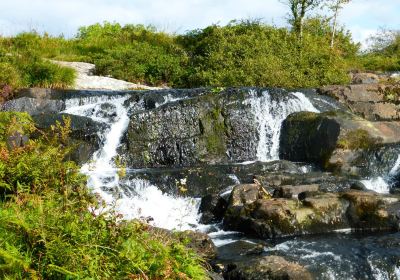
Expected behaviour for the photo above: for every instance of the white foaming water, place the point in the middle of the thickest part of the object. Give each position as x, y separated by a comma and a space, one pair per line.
148, 202
396, 167
377, 184
144, 200
269, 115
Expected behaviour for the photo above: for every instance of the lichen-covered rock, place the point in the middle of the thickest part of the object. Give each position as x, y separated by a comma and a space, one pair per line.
337, 141
249, 211
267, 267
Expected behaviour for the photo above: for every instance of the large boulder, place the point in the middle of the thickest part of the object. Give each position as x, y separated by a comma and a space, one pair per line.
266, 267
339, 141
251, 211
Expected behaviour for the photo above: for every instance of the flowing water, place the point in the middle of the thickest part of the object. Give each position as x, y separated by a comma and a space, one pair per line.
269, 113
339, 257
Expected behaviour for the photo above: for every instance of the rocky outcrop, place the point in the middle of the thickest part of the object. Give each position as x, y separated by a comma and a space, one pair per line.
252, 212
267, 267
372, 101
339, 141
212, 128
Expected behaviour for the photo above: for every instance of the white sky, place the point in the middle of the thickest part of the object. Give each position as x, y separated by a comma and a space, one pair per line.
362, 17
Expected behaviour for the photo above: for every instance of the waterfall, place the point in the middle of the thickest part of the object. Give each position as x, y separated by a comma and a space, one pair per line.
141, 200
269, 113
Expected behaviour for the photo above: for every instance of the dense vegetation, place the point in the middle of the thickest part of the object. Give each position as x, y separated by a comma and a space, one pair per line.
51, 227
242, 53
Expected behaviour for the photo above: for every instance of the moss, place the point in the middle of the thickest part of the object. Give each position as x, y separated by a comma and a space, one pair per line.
146, 157
357, 139
212, 126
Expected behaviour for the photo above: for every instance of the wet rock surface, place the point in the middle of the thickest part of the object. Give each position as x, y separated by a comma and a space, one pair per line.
253, 212
267, 267
203, 126
339, 141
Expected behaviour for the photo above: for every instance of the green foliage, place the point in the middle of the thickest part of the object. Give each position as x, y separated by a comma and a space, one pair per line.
22, 63
384, 53
51, 227
251, 53
243, 53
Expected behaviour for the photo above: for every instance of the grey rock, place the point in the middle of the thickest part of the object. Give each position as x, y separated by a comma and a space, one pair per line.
267, 267
34, 106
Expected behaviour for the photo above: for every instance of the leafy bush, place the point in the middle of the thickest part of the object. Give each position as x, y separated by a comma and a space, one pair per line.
51, 227
249, 53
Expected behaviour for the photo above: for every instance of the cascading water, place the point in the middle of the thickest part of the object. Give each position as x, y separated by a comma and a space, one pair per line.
269, 115
142, 200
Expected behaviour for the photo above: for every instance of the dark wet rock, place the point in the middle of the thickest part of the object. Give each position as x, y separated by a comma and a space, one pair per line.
85, 139
82, 151
340, 142
192, 131
326, 181
212, 208
33, 106
210, 179
250, 211
203, 126
82, 128
65, 94
294, 191
201, 243
214, 276
267, 267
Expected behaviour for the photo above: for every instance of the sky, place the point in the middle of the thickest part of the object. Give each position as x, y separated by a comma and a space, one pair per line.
361, 17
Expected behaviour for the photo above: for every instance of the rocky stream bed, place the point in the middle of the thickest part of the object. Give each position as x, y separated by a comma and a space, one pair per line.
299, 184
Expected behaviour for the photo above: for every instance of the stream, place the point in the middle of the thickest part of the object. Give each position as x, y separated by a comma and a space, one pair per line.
341, 255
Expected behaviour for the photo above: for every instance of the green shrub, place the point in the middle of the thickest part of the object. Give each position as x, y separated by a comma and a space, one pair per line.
46, 74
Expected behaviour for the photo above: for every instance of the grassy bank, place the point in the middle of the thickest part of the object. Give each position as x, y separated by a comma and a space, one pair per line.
51, 227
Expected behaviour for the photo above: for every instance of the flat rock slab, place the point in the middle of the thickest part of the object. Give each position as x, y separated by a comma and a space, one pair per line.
86, 80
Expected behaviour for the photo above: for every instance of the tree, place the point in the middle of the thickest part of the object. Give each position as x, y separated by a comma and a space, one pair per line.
298, 10
335, 6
